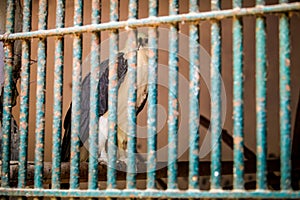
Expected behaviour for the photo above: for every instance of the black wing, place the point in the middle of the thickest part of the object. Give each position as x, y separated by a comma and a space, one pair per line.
85, 102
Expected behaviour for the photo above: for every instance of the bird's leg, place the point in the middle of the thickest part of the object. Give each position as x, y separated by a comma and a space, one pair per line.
122, 149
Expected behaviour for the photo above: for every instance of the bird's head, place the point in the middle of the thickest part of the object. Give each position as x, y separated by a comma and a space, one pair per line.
142, 40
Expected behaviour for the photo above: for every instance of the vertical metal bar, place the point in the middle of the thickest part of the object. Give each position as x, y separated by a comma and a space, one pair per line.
152, 99
94, 103
7, 95
132, 95
285, 100
261, 76
40, 98
238, 104
216, 107
194, 93
76, 96
112, 98
173, 99
58, 91
24, 97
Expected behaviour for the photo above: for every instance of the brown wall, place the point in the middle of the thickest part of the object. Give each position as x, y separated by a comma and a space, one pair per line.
249, 69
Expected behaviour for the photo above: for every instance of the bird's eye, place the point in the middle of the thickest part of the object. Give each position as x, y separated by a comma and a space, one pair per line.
140, 41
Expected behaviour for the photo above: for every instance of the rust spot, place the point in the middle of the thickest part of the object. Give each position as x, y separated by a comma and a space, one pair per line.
287, 62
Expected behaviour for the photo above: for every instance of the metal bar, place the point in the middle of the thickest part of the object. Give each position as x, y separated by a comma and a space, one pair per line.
285, 100
40, 98
132, 97
94, 103
216, 108
194, 94
151, 21
76, 96
7, 96
112, 98
24, 97
173, 111
58, 92
261, 76
152, 98
238, 104
162, 194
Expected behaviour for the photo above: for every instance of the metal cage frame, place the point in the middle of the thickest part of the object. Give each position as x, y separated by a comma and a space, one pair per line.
153, 21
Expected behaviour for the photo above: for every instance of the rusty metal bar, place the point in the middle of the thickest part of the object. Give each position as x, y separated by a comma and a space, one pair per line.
40, 98
285, 100
201, 16
162, 194
76, 96
112, 98
261, 124
24, 97
173, 111
152, 98
238, 104
216, 106
7, 96
58, 91
94, 103
132, 98
194, 94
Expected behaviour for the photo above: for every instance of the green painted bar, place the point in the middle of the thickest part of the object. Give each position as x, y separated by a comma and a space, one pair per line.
40, 98
94, 96
194, 94
173, 99
285, 100
162, 194
58, 92
152, 99
261, 100
24, 97
238, 103
201, 16
7, 95
132, 97
216, 106
76, 96
112, 99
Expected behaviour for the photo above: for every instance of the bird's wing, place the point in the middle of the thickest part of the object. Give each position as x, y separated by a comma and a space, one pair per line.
85, 103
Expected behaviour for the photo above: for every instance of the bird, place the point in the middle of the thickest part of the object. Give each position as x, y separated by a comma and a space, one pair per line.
123, 88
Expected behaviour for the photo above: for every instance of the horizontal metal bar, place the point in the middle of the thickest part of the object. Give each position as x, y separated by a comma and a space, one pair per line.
154, 21
183, 170
150, 193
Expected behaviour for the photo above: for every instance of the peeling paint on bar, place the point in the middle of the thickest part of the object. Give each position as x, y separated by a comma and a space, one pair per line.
40, 98
76, 96
151, 21
194, 112
285, 100
152, 99
7, 94
131, 102
94, 95
24, 97
112, 98
261, 100
216, 125
58, 92
238, 103
173, 111
111, 193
